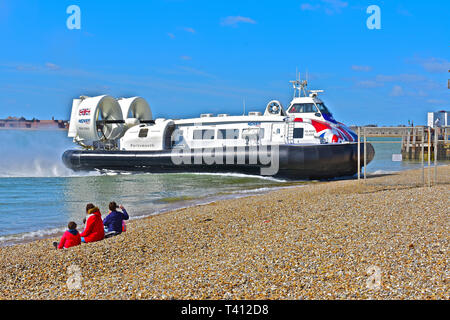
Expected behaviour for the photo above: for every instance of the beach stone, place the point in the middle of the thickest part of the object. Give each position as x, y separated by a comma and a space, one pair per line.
315, 241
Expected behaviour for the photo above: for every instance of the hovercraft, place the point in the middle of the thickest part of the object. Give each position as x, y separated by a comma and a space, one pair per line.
302, 142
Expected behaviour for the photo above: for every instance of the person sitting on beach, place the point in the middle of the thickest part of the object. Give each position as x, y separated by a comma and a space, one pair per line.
94, 230
70, 238
114, 222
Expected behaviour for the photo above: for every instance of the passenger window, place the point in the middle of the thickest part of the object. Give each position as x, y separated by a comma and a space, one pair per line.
261, 133
203, 134
228, 134
177, 137
143, 133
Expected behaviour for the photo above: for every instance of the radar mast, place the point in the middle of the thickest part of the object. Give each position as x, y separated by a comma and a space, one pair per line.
300, 87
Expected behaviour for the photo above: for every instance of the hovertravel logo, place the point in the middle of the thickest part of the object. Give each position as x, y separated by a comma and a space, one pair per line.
84, 121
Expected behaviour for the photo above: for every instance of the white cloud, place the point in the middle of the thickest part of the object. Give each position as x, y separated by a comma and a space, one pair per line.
400, 78
196, 72
23, 67
380, 80
436, 65
187, 29
330, 7
309, 7
171, 35
186, 58
397, 91
26, 67
233, 21
436, 101
432, 64
361, 68
369, 84
52, 66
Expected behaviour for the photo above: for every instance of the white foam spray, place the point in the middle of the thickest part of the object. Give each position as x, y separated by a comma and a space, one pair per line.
34, 153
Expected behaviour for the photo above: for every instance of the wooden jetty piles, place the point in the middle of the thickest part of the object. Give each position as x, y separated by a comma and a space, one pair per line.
414, 140
433, 142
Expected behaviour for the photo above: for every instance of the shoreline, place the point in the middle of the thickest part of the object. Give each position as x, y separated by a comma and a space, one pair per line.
317, 241
182, 204
48, 234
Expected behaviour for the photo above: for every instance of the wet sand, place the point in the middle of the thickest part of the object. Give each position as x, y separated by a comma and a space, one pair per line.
327, 240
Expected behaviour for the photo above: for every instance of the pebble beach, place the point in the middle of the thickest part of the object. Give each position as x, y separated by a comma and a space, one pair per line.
325, 240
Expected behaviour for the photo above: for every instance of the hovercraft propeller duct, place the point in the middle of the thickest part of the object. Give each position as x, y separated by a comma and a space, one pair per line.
274, 107
135, 110
104, 118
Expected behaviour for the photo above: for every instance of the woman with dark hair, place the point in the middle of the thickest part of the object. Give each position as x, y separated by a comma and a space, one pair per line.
94, 230
114, 221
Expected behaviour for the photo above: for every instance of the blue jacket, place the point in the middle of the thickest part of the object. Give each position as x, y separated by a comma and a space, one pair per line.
113, 222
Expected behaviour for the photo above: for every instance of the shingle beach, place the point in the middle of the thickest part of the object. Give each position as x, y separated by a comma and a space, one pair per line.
326, 240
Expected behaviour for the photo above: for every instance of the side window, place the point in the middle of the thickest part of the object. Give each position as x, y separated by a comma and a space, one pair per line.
143, 133
198, 135
178, 136
203, 134
298, 133
228, 134
261, 133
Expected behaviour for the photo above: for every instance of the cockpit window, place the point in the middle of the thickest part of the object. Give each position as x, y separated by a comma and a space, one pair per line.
309, 108
322, 108
303, 107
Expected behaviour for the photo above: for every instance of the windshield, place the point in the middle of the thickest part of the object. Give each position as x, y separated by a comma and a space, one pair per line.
322, 108
303, 107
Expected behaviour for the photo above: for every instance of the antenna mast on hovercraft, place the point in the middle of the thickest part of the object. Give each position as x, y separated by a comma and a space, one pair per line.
299, 87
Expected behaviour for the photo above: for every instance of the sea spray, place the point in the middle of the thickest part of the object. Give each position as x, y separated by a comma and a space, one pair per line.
33, 153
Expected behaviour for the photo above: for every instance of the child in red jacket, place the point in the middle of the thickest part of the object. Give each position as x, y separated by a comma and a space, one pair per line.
70, 238
94, 230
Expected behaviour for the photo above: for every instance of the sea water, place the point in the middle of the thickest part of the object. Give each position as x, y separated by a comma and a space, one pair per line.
39, 195
383, 162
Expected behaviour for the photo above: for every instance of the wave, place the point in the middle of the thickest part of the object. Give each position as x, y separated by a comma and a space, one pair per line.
238, 175
218, 174
266, 189
30, 236
382, 172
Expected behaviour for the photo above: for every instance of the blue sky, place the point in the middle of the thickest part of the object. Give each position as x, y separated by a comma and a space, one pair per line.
191, 57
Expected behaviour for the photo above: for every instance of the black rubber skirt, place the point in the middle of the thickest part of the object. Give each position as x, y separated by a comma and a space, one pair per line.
288, 161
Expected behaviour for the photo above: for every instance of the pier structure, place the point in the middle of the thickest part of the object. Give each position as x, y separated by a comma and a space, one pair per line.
423, 144
434, 141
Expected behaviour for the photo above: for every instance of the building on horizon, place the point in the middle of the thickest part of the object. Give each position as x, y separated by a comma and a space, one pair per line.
22, 123
438, 119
